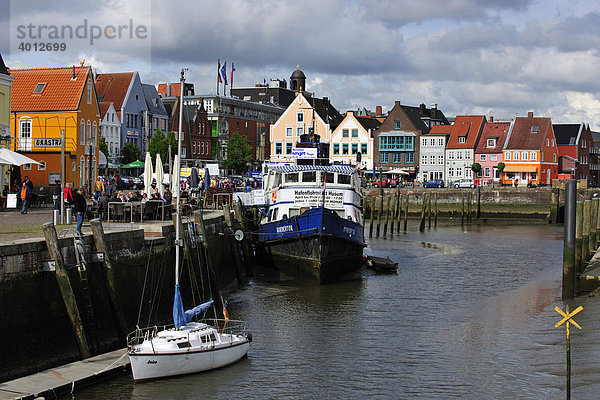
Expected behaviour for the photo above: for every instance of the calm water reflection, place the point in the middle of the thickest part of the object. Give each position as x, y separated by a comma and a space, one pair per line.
470, 314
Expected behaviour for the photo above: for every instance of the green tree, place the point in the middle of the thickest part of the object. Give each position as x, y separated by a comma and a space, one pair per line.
500, 166
103, 146
476, 167
129, 153
239, 153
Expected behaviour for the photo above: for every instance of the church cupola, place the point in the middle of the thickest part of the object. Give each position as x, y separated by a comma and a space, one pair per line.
298, 80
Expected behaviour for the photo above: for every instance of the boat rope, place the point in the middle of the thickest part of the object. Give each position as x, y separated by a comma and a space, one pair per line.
116, 361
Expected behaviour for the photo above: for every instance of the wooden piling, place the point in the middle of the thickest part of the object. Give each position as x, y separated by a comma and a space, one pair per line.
593, 223
423, 207
428, 210
436, 211
569, 270
62, 278
478, 202
585, 252
399, 212
109, 282
371, 217
598, 224
393, 214
379, 216
406, 211
462, 213
578, 235
387, 217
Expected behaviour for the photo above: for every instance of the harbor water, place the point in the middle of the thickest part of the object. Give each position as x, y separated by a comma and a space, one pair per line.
470, 314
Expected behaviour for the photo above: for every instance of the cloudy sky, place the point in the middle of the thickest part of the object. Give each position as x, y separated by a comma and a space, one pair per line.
498, 57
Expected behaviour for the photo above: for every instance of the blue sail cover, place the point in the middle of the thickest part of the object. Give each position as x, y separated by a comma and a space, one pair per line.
189, 314
178, 314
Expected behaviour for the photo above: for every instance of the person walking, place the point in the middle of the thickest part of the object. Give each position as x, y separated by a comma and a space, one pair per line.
98, 188
28, 183
56, 195
24, 195
80, 207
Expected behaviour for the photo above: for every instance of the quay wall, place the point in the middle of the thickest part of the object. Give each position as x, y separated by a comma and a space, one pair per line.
36, 332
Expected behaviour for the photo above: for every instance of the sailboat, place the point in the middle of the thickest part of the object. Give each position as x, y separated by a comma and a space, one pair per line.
186, 347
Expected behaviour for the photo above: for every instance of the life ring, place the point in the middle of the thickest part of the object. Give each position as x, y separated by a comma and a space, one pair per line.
274, 196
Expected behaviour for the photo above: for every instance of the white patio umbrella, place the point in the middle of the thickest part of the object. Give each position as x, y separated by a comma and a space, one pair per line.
13, 158
148, 175
159, 175
176, 169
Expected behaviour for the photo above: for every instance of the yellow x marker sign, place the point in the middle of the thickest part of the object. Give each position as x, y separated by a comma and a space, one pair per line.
567, 317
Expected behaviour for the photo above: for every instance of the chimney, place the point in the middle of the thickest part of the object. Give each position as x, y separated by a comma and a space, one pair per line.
326, 101
422, 108
491, 118
530, 114
73, 77
168, 89
434, 106
397, 103
378, 112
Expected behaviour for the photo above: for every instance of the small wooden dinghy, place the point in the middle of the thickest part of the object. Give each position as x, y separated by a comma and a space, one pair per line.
381, 265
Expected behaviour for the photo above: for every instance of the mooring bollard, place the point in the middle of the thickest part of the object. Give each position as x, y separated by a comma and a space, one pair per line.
568, 283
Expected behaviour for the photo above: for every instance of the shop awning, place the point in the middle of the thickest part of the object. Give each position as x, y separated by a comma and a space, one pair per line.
520, 168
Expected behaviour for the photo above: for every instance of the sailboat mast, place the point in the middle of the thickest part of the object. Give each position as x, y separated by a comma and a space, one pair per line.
179, 136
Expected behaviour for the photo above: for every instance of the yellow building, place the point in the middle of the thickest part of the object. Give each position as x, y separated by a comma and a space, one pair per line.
48, 104
5, 89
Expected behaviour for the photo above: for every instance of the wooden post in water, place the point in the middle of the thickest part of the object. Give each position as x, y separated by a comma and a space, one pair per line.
436, 211
585, 252
371, 217
406, 211
387, 217
462, 214
569, 271
423, 207
64, 285
597, 224
428, 210
379, 215
578, 236
393, 214
593, 223
469, 202
399, 213
478, 202
109, 283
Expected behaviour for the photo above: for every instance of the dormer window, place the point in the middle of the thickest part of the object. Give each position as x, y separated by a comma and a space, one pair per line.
39, 88
491, 143
534, 128
462, 139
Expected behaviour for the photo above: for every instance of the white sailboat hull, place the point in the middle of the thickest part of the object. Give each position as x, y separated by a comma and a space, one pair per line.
152, 366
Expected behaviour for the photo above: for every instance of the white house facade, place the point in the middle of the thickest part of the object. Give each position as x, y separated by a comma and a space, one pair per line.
351, 141
110, 129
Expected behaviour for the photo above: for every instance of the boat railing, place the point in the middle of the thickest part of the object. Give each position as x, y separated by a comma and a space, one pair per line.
224, 326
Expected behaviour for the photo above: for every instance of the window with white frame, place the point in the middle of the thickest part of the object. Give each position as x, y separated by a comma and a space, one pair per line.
441, 142
25, 128
554, 157
450, 171
459, 155
82, 133
424, 160
289, 131
42, 165
462, 139
486, 172
491, 143
533, 156
89, 91
300, 130
507, 156
516, 156
483, 157
524, 156
432, 142
493, 157
440, 160
450, 155
424, 142
432, 160
27, 167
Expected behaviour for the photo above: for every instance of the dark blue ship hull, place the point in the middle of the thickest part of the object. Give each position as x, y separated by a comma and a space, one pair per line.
317, 244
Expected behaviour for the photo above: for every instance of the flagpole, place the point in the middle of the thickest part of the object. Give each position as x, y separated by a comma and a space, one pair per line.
218, 75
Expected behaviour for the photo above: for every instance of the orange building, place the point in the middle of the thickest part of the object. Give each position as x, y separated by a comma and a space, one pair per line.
48, 104
531, 153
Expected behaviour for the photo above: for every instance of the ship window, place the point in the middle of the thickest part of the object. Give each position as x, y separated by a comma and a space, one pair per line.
270, 215
329, 176
344, 179
294, 212
291, 177
309, 176
275, 213
277, 180
182, 345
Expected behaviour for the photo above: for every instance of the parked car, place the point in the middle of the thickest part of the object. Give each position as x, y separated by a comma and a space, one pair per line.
464, 183
433, 183
383, 183
392, 183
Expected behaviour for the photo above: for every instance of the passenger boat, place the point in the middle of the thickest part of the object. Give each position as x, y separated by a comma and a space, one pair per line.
186, 346
313, 225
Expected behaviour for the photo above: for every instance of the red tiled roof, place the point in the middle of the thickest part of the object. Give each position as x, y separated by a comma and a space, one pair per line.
439, 130
521, 136
104, 105
113, 87
493, 130
61, 92
467, 126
